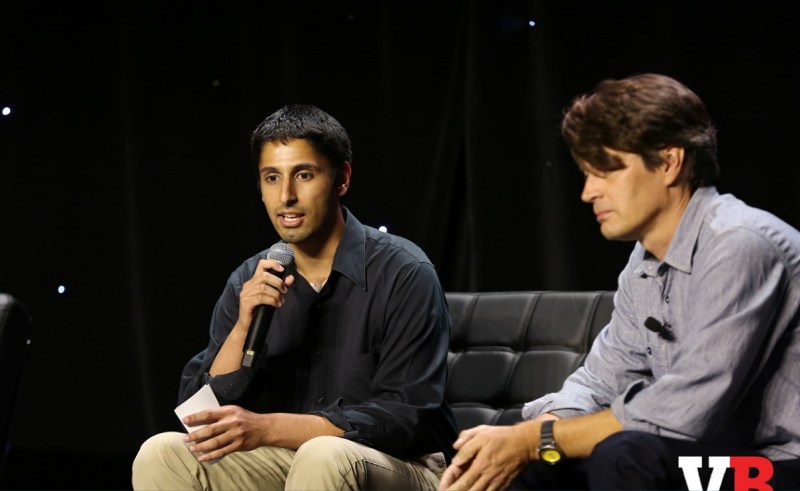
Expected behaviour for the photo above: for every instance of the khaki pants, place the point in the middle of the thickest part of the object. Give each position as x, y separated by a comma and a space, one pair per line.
323, 463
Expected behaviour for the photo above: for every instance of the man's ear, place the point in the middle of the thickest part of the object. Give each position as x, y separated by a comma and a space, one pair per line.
673, 162
343, 178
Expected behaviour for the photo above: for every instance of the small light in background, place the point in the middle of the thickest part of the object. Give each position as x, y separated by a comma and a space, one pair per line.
6, 111
215, 83
61, 289
383, 229
531, 23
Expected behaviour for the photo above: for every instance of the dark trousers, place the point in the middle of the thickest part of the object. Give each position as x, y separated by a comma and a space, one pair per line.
636, 460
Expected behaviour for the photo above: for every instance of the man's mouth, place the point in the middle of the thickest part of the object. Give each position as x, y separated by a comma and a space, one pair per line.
290, 219
601, 215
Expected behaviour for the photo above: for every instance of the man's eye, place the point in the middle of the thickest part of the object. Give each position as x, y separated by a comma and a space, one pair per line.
271, 178
304, 176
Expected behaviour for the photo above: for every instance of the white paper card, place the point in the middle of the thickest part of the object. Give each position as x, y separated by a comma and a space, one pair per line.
203, 399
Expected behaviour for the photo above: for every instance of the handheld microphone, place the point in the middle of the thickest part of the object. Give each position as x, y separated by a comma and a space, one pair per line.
262, 314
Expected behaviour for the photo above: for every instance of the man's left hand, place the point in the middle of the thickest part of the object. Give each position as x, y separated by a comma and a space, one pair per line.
489, 457
229, 429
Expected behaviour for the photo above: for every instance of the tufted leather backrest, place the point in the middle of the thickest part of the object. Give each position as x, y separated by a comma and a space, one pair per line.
508, 348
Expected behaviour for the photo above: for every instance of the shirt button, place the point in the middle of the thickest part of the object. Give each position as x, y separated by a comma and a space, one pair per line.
649, 351
667, 299
321, 399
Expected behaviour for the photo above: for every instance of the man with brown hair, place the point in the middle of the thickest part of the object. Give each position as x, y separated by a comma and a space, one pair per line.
701, 355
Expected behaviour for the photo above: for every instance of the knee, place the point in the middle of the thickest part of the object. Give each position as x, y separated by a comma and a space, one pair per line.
628, 453
330, 455
623, 446
323, 449
155, 447
154, 454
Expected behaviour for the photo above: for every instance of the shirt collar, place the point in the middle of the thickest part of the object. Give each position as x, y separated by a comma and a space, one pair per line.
350, 258
681, 247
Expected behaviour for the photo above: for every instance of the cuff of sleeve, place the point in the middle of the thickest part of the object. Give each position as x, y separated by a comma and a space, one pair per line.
334, 414
620, 410
534, 408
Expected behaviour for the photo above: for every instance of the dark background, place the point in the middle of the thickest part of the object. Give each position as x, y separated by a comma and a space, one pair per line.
124, 171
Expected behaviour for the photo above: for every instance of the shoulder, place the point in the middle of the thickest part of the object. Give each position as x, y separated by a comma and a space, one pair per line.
740, 243
393, 248
738, 228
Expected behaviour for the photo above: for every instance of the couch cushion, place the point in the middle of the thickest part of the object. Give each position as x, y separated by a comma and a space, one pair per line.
507, 348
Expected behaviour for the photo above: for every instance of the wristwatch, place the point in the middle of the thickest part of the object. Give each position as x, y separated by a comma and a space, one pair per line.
548, 450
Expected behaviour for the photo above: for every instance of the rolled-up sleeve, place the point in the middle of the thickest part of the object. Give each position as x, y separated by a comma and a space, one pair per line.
616, 362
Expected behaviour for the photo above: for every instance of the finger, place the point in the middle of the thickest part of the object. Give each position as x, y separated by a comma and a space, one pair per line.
201, 435
464, 481
467, 435
466, 453
267, 264
271, 267
259, 293
270, 294
211, 444
218, 453
450, 476
474, 480
205, 417
499, 481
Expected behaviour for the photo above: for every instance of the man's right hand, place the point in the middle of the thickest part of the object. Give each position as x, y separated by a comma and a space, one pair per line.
264, 288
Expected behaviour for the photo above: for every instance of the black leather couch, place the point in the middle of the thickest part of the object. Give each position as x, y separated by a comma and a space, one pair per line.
507, 348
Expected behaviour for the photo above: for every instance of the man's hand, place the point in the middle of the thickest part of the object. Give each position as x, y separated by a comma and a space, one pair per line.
490, 457
264, 288
233, 429
229, 429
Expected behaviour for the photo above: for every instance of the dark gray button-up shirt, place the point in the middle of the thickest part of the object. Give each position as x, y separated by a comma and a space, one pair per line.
726, 366
368, 352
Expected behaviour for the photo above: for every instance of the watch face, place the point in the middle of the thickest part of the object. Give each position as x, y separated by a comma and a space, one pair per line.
550, 455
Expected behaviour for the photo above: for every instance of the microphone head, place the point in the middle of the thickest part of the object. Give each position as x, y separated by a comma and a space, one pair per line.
653, 324
282, 253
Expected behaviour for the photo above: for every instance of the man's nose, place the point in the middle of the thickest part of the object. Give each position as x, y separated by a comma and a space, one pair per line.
287, 192
590, 191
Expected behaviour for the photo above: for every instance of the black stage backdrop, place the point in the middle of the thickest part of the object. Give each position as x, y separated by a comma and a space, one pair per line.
124, 171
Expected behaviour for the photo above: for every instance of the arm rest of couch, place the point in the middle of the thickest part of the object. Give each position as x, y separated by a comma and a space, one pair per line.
508, 348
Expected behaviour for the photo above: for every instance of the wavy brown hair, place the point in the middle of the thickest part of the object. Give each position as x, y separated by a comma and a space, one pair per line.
643, 114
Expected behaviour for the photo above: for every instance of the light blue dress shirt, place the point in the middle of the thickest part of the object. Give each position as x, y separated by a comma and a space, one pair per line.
726, 367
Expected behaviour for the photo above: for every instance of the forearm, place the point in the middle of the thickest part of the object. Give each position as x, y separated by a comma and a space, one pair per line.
229, 357
292, 430
578, 436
